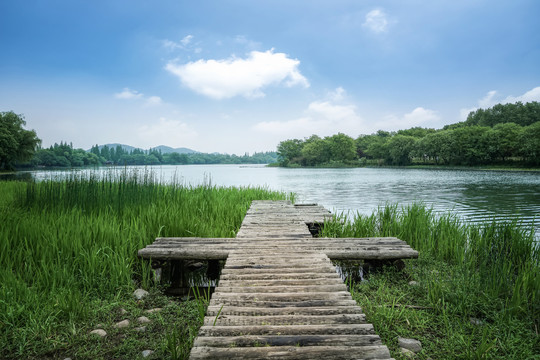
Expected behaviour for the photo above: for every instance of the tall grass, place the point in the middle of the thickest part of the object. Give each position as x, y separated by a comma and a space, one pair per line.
498, 262
68, 246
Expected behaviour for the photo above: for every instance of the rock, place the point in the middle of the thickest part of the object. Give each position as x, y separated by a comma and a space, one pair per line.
143, 320
140, 294
122, 324
476, 321
122, 311
413, 283
151, 311
67, 359
99, 332
410, 344
147, 353
408, 353
140, 329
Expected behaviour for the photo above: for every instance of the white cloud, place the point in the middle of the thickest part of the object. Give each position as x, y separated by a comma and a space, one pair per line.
338, 94
128, 94
186, 40
376, 21
153, 100
182, 44
165, 132
418, 117
491, 100
323, 118
529, 96
226, 78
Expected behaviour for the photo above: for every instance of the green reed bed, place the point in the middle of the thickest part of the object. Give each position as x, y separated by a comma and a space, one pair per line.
68, 260
478, 291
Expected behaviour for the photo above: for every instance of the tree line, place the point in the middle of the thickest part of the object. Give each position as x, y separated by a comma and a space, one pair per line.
506, 134
64, 155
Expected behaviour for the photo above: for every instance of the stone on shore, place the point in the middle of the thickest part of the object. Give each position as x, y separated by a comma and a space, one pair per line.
410, 344
122, 324
140, 294
99, 332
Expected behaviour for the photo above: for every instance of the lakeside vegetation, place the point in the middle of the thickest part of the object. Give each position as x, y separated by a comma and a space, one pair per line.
68, 261
477, 287
504, 135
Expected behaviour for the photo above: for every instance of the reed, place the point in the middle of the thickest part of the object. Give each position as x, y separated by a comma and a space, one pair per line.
69, 246
487, 271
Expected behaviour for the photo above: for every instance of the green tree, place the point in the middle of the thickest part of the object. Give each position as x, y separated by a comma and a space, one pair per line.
529, 143
400, 148
342, 147
16, 143
289, 150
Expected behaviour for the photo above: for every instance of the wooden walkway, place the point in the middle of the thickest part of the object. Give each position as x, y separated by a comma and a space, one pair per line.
279, 295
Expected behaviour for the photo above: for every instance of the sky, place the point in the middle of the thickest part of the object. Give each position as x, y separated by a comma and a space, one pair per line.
241, 76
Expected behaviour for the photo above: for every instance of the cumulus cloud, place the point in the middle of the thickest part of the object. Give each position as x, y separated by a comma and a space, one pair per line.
128, 94
492, 98
227, 78
165, 131
376, 21
418, 117
323, 118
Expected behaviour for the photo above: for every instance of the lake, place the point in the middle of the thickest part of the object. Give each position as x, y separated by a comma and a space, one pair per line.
475, 195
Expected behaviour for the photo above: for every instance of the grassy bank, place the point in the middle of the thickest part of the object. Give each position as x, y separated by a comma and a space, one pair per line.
477, 291
68, 262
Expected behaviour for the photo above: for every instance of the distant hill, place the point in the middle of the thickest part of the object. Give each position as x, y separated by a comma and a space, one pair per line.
164, 149
167, 149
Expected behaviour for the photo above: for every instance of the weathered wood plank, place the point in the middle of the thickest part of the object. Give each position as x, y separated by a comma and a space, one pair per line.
292, 352
288, 340
225, 320
214, 310
336, 329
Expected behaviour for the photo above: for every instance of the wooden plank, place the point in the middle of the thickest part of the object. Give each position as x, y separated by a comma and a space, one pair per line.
292, 352
226, 320
214, 310
337, 329
288, 340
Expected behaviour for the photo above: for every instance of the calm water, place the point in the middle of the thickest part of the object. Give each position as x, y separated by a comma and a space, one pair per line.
474, 195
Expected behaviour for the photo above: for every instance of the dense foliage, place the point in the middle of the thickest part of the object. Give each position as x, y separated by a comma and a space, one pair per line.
64, 155
16, 143
505, 134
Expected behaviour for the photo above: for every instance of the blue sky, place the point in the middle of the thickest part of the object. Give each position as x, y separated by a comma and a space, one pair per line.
240, 76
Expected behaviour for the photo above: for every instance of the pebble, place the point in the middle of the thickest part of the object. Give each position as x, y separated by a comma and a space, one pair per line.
122, 324
99, 332
140, 329
140, 294
410, 344
147, 353
476, 321
413, 283
151, 311
143, 320
122, 311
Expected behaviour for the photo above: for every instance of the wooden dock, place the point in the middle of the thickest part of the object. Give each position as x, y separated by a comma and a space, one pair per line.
279, 295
